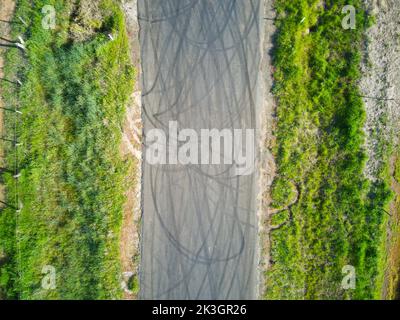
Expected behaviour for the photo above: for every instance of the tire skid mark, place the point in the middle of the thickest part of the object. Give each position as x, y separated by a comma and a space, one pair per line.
200, 219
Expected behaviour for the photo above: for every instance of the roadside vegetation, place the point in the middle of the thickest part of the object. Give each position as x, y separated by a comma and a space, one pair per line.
391, 289
339, 217
76, 81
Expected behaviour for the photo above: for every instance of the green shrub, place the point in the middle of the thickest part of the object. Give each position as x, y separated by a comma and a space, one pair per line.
282, 192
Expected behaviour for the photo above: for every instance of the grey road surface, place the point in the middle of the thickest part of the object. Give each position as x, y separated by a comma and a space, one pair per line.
200, 68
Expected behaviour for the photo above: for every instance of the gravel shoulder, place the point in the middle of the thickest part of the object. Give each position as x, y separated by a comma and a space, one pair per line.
380, 87
381, 80
267, 165
131, 150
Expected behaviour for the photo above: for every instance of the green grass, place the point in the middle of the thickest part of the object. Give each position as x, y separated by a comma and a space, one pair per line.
76, 84
338, 219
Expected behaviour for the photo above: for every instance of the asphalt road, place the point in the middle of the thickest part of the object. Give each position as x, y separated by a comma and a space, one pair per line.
201, 68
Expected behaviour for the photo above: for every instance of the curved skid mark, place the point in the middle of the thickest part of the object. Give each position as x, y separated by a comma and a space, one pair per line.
200, 62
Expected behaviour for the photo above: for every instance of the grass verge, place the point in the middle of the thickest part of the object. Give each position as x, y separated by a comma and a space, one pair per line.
339, 217
76, 84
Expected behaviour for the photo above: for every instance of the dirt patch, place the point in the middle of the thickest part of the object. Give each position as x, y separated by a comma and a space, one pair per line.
391, 284
87, 18
6, 14
131, 150
267, 162
129, 243
379, 87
